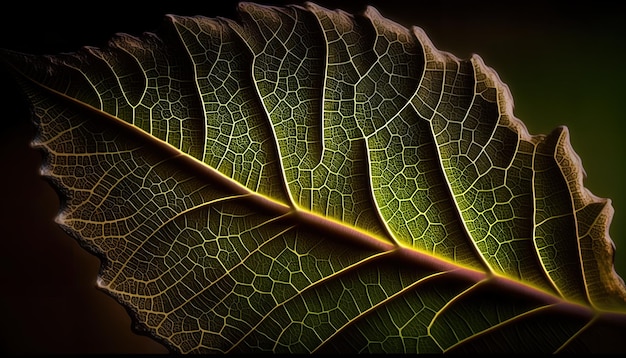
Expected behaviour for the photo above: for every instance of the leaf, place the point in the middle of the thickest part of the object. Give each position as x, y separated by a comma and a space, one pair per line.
306, 180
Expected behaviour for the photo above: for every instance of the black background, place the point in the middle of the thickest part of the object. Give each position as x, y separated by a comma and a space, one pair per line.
563, 64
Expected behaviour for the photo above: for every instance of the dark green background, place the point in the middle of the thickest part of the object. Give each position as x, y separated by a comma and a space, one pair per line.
564, 64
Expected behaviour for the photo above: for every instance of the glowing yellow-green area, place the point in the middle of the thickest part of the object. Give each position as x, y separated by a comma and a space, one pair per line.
306, 180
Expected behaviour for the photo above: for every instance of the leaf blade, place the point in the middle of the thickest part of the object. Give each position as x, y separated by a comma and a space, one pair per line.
270, 240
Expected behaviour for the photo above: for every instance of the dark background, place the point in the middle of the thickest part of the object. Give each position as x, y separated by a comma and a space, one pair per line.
564, 64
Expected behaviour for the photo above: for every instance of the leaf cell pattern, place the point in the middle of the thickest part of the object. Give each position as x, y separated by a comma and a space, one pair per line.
308, 180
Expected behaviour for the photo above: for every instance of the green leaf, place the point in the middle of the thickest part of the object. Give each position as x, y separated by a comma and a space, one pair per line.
307, 180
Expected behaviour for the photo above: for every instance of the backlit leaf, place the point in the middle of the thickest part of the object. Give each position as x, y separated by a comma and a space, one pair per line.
307, 180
